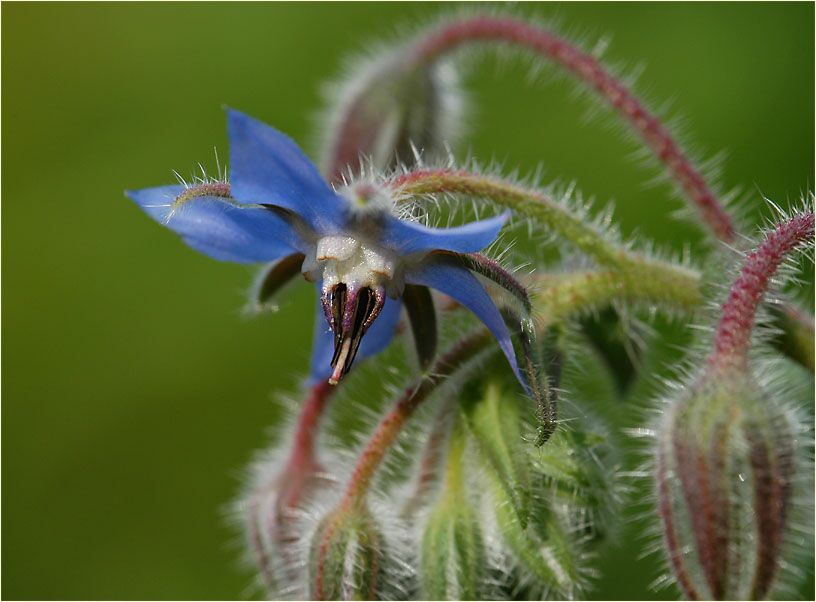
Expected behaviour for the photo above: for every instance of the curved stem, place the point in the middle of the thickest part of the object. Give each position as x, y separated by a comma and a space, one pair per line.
302, 457
390, 426
431, 457
557, 217
562, 297
733, 337
532, 203
485, 28
439, 42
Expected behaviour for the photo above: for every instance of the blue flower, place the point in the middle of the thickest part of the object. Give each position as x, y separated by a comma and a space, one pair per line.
366, 262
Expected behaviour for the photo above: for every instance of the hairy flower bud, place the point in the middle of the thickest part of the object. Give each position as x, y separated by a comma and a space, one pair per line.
495, 420
572, 498
346, 556
453, 562
390, 106
272, 530
726, 462
452, 552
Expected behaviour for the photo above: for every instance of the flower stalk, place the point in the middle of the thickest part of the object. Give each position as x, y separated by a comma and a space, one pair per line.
732, 339
561, 297
554, 216
440, 42
269, 510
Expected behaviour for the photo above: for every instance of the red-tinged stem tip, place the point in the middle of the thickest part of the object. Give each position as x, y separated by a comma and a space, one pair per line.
732, 340
584, 66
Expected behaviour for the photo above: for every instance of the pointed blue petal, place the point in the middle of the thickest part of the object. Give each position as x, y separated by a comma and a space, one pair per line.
446, 276
374, 341
218, 227
409, 237
267, 167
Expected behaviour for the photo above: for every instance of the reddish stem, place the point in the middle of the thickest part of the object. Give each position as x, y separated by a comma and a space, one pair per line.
430, 460
385, 434
302, 457
289, 485
733, 338
505, 29
392, 423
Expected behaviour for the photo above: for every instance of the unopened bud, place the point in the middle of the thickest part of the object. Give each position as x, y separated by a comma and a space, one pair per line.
346, 556
453, 561
725, 475
270, 515
390, 106
495, 420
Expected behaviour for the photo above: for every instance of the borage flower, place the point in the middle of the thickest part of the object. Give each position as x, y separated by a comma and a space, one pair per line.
365, 261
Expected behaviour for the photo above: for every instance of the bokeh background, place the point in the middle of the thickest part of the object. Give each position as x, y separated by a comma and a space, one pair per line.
134, 391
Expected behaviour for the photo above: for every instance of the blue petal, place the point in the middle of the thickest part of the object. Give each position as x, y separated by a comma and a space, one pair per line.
268, 167
409, 237
458, 283
374, 341
219, 228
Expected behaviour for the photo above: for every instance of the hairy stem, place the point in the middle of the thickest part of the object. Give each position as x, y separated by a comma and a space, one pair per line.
565, 296
556, 217
302, 459
297, 476
733, 337
485, 28
560, 299
541, 208
390, 426
431, 458
441, 41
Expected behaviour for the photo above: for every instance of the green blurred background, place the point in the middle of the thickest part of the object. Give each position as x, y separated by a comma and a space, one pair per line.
134, 391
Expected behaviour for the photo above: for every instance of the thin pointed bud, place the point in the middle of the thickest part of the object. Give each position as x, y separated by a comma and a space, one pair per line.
543, 550
543, 373
571, 486
452, 550
346, 556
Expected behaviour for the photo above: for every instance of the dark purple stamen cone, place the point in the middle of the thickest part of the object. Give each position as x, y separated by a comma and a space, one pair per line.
350, 312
